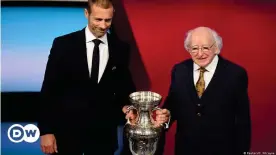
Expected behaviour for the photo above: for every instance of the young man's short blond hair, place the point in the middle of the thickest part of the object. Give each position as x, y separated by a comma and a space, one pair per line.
101, 3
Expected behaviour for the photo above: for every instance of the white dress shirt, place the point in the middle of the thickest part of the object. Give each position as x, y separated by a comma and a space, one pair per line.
104, 54
208, 74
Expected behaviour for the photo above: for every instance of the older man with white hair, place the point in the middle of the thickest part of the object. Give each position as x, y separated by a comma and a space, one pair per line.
208, 98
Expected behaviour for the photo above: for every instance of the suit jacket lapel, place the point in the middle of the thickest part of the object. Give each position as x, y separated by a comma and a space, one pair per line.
81, 44
190, 83
216, 80
110, 66
81, 47
213, 85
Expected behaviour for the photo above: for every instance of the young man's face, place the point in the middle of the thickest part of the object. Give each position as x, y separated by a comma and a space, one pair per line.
99, 19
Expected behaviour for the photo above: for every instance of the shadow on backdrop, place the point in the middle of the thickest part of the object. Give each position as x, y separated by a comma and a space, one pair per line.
122, 29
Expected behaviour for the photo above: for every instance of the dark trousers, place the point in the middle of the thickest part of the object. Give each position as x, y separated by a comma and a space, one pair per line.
78, 144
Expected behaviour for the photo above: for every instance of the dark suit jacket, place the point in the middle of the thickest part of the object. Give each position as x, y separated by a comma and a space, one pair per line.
70, 105
219, 122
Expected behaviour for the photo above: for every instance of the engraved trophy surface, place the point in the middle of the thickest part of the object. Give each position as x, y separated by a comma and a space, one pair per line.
143, 136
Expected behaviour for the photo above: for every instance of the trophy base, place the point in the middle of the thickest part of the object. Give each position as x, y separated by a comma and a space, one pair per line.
145, 146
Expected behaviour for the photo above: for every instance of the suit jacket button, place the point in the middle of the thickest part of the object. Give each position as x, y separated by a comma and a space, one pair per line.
198, 114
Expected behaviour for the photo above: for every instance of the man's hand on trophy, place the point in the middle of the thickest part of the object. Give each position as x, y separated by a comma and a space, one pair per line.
162, 117
131, 114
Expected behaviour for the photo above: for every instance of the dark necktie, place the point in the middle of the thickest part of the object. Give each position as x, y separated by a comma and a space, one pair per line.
95, 61
200, 85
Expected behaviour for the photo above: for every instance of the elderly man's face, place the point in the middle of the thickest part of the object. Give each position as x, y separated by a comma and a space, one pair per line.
202, 47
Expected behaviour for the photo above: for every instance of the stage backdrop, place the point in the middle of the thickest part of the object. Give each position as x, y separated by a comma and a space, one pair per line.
27, 36
248, 30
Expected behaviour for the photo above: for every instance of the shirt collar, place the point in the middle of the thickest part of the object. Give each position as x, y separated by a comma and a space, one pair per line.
211, 67
89, 36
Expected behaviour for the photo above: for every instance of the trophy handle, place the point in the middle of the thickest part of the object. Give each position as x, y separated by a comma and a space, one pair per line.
154, 109
128, 110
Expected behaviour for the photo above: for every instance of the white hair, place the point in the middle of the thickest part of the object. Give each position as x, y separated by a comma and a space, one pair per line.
216, 37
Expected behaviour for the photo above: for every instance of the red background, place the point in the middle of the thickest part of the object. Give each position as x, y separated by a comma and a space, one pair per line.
248, 30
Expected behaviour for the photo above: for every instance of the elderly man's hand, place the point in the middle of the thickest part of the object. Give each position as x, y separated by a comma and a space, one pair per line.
162, 116
131, 114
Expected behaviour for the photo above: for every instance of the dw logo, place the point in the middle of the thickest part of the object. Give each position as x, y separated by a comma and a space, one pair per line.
29, 133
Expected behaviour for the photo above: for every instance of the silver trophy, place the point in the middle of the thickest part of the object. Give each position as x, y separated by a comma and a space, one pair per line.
143, 136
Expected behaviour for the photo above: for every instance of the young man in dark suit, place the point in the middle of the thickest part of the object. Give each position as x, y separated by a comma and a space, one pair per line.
208, 98
87, 82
